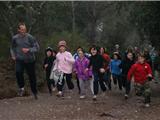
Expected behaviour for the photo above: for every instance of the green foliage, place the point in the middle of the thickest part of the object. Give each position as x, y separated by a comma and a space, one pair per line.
124, 23
73, 40
4, 47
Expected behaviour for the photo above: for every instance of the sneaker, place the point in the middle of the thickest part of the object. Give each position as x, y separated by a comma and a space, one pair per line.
82, 97
21, 92
54, 89
126, 96
59, 94
94, 98
147, 105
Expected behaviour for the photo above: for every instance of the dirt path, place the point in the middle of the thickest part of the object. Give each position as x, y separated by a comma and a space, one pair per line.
111, 107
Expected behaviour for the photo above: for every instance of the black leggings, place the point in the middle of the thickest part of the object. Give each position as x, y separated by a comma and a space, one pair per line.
126, 84
68, 78
50, 82
78, 84
117, 78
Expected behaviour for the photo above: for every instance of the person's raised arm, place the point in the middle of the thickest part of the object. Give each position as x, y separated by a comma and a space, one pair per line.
70, 58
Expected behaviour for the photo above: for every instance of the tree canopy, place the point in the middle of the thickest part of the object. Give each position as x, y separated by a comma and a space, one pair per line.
83, 23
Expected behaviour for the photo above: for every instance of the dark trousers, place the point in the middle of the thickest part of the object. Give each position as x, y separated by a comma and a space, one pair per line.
126, 84
98, 81
68, 79
49, 81
107, 80
117, 78
78, 85
30, 69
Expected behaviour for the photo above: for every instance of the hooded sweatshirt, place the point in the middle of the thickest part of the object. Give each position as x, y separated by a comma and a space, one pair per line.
140, 72
64, 62
80, 67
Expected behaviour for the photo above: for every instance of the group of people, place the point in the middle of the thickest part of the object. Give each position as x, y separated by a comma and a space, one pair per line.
98, 69
95, 69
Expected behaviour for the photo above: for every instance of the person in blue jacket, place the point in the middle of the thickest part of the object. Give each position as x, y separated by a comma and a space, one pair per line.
116, 70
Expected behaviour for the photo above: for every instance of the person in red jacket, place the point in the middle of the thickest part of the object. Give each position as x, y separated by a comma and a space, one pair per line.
106, 75
142, 75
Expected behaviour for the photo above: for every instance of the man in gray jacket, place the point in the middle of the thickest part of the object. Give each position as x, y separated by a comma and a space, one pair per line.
23, 49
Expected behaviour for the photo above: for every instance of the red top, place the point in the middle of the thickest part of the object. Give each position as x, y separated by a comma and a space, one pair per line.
140, 72
107, 60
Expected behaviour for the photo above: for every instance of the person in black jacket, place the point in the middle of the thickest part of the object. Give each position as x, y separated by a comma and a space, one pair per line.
126, 65
96, 63
48, 64
157, 67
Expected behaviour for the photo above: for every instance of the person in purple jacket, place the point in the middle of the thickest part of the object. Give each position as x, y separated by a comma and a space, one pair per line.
84, 75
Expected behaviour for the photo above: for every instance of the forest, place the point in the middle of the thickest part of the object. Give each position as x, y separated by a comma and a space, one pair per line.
82, 23
79, 23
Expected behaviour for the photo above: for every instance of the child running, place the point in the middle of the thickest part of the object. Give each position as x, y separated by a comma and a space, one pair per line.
106, 75
64, 65
116, 70
48, 64
127, 62
142, 75
96, 63
83, 75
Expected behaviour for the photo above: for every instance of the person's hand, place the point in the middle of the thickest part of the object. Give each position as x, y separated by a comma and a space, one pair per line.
45, 66
14, 58
25, 50
74, 74
86, 70
102, 70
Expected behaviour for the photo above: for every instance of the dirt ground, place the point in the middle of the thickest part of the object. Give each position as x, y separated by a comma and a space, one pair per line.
112, 106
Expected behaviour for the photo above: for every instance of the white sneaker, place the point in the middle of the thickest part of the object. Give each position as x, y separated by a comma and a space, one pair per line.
94, 97
59, 94
147, 105
126, 96
82, 97
21, 92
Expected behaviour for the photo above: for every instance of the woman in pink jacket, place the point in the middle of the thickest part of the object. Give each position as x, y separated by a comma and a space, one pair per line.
64, 64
